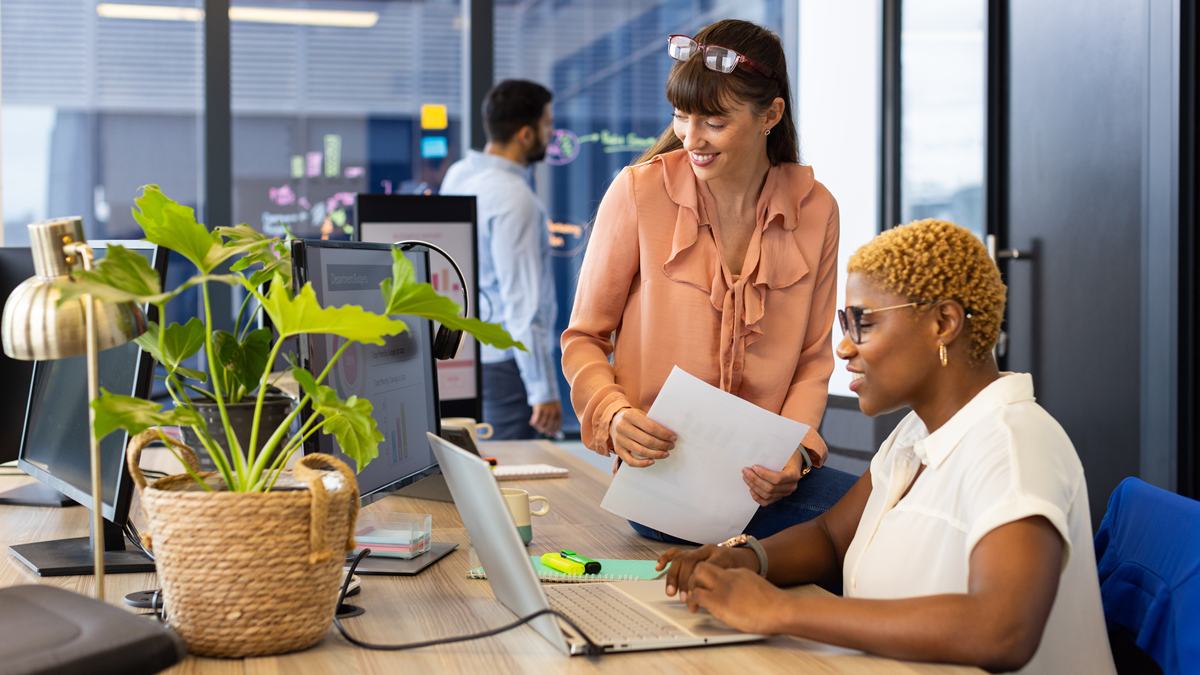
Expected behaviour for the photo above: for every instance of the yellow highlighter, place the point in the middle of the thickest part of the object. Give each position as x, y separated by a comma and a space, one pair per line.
556, 562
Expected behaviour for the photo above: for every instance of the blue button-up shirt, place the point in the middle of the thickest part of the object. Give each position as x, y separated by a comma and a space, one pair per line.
516, 282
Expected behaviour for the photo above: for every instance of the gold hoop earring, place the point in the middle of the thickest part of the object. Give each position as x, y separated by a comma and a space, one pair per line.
767, 132
942, 354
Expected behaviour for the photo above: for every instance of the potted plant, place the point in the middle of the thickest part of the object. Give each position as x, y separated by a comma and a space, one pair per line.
249, 555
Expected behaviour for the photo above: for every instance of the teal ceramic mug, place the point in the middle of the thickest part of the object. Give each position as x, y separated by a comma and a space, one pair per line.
520, 506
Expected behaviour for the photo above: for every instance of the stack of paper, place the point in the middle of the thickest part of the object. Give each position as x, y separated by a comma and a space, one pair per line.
698, 493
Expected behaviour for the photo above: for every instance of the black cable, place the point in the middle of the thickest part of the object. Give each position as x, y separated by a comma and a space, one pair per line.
591, 649
406, 244
131, 531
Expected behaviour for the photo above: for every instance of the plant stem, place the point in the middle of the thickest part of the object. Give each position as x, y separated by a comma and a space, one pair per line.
258, 403
238, 321
332, 361
278, 466
163, 437
210, 444
235, 448
257, 471
261, 460
198, 390
269, 446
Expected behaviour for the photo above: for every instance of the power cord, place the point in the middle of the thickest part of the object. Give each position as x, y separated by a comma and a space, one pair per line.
592, 649
132, 533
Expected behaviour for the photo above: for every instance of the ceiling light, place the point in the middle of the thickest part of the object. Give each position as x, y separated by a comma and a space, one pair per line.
303, 17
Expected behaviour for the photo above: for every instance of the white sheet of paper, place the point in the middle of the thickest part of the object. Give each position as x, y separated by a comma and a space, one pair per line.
698, 493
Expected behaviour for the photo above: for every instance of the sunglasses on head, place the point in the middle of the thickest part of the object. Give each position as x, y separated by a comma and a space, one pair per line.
716, 58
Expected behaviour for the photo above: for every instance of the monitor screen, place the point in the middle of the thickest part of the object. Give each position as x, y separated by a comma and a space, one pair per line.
398, 377
16, 265
54, 446
448, 223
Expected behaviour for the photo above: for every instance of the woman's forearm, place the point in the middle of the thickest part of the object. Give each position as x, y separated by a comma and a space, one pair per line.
802, 554
813, 551
953, 628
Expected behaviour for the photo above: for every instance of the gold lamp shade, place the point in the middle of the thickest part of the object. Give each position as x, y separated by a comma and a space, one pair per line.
36, 327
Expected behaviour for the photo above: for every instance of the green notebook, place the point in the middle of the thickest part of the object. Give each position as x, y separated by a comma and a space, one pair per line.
610, 570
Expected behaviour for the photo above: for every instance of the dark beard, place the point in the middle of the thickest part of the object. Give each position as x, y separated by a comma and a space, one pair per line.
536, 153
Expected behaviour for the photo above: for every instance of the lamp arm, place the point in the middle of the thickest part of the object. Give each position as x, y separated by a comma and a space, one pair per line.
85, 254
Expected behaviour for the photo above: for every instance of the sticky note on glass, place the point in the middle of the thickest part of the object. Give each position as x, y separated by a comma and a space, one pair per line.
433, 147
433, 116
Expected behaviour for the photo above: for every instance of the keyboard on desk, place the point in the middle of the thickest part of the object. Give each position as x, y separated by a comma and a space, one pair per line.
609, 616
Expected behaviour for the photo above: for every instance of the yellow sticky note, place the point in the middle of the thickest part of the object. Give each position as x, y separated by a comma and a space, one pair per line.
433, 116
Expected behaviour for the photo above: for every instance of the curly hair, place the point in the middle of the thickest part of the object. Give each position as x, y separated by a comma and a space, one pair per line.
933, 260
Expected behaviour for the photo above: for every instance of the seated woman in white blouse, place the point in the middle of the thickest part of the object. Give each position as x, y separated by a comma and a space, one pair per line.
968, 541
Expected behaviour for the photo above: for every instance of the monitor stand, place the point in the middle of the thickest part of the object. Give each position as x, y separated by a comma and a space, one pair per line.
434, 487
70, 557
36, 493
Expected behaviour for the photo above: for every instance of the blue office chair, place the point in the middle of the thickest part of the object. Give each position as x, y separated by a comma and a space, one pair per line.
1148, 553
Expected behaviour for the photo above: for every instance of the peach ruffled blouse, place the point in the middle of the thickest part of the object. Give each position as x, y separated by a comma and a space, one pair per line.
654, 292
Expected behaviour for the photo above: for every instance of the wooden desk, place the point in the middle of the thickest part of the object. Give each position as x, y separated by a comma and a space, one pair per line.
441, 601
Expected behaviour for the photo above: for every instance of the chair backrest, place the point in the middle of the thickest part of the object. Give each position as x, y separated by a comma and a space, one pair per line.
1148, 558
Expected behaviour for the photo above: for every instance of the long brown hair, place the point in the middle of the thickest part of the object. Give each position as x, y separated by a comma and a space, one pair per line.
696, 90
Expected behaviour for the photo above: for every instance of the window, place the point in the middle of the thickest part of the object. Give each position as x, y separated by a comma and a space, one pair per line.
943, 57
94, 106
327, 101
839, 110
606, 62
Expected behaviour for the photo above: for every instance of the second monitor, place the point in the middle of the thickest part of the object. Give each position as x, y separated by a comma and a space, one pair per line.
398, 377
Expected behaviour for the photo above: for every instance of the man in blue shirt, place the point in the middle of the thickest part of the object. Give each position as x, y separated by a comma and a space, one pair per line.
516, 286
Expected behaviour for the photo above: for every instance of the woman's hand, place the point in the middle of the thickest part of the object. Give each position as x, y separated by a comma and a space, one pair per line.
684, 562
639, 440
768, 487
738, 597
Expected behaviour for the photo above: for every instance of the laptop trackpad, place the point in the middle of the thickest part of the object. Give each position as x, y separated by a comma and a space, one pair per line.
653, 595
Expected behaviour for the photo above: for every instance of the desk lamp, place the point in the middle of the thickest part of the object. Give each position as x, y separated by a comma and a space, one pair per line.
36, 327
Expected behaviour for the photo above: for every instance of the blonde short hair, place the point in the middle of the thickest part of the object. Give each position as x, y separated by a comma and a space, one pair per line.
932, 260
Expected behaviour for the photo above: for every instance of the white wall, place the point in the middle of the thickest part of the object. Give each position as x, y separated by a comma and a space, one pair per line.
839, 107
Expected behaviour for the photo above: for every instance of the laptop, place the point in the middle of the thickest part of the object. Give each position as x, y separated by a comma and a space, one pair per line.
617, 616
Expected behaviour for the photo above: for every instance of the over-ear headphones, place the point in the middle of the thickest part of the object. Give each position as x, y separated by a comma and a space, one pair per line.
447, 342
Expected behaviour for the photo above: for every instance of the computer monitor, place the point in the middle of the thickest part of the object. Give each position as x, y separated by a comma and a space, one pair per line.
398, 377
448, 223
16, 265
54, 444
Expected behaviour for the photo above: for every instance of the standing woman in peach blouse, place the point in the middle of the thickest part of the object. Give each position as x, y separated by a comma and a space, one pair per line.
717, 252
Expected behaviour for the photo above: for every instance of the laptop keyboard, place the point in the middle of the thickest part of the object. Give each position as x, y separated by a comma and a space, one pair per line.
609, 616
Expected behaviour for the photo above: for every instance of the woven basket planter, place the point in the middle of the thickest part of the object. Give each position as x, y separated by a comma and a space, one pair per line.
248, 574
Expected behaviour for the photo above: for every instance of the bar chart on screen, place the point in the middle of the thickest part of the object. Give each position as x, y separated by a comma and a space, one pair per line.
456, 377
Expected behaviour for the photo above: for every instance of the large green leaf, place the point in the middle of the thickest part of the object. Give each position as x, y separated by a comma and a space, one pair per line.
258, 249
135, 415
178, 343
245, 361
120, 276
349, 421
303, 314
403, 295
168, 223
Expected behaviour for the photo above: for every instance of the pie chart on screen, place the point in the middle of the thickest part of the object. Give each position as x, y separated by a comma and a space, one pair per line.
351, 368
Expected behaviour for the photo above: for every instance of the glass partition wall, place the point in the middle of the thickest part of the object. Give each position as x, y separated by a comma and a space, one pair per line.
943, 122
95, 104
327, 101
606, 62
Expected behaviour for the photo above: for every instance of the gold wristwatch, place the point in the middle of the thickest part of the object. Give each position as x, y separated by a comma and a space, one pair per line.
747, 541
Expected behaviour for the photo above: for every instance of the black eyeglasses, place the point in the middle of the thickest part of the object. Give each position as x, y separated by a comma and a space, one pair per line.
852, 326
